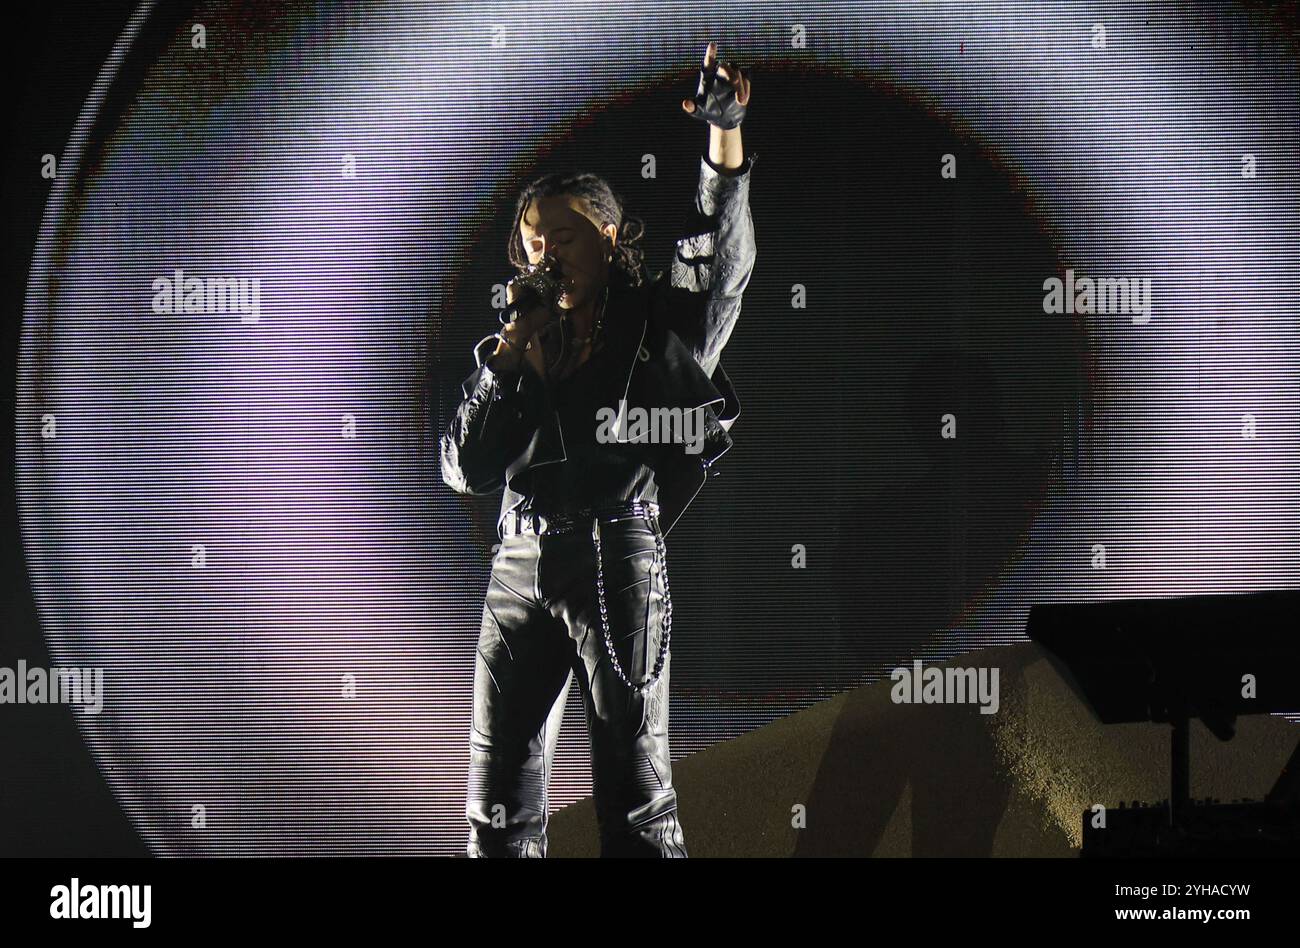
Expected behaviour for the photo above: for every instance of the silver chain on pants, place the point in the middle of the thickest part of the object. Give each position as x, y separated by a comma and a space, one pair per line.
660, 566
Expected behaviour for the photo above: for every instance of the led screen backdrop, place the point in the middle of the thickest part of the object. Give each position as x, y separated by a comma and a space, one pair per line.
239, 516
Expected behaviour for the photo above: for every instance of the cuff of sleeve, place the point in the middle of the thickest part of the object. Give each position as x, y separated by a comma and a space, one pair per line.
717, 184
481, 353
500, 382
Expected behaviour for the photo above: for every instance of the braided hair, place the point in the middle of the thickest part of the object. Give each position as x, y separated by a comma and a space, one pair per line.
627, 266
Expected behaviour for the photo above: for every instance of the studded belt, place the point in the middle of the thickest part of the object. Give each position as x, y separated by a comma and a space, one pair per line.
523, 520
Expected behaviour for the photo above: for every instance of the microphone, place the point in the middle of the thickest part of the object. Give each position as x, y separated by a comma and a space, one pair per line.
537, 284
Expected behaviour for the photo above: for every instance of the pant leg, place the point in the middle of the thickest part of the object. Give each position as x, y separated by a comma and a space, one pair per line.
636, 804
522, 676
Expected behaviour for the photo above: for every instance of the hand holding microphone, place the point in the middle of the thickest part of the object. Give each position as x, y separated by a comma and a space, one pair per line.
532, 295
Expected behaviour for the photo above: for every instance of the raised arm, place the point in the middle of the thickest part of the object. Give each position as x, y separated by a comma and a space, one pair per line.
711, 266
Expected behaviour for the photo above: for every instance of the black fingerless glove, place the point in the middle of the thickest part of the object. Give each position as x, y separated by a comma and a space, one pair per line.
715, 100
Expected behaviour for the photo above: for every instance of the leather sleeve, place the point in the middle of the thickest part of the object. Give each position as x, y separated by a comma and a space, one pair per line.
712, 264
490, 426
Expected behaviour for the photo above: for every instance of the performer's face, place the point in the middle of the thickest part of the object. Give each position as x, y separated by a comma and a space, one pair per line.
562, 225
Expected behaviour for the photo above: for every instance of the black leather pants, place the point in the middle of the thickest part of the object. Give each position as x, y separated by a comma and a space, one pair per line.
541, 628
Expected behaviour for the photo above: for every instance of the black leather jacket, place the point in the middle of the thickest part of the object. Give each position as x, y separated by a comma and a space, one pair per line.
663, 344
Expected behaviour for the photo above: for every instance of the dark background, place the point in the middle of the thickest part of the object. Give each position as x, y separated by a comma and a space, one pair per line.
53, 801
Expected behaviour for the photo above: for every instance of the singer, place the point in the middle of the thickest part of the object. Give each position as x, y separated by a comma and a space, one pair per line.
579, 586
